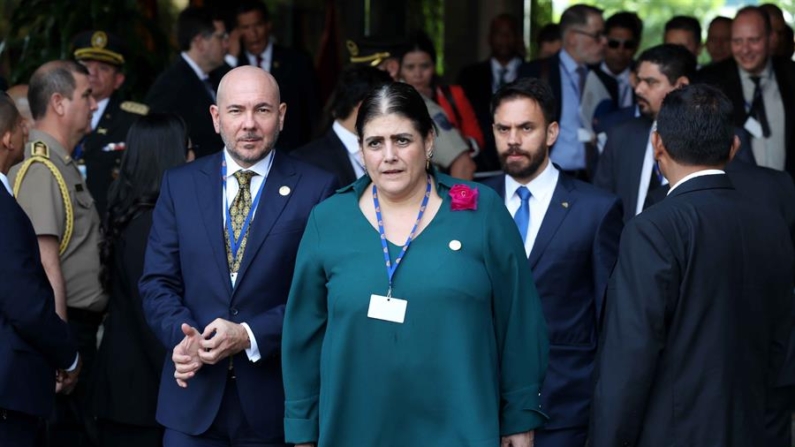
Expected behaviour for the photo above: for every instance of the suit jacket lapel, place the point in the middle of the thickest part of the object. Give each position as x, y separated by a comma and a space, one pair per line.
270, 208
559, 206
633, 162
340, 154
209, 191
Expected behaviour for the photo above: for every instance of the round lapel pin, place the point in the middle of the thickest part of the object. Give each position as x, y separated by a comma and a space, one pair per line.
284, 190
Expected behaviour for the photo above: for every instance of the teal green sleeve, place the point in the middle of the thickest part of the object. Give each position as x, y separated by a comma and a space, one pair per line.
302, 340
519, 323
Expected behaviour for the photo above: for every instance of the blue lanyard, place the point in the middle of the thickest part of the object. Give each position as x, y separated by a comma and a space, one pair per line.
234, 243
391, 268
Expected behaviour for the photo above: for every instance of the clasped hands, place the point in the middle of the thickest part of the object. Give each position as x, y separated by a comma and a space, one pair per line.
219, 340
65, 381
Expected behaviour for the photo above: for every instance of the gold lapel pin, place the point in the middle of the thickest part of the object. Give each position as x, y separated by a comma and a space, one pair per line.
284, 190
565, 204
102, 130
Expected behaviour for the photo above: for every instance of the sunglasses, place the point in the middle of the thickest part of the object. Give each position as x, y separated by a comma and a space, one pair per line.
625, 44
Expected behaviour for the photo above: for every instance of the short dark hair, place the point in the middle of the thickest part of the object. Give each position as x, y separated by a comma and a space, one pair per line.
419, 41
577, 15
696, 127
627, 20
531, 88
685, 23
673, 60
720, 19
9, 115
509, 18
52, 77
548, 33
395, 98
758, 11
354, 84
193, 21
246, 6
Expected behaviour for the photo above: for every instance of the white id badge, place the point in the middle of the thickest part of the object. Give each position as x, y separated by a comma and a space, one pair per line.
584, 135
753, 127
387, 308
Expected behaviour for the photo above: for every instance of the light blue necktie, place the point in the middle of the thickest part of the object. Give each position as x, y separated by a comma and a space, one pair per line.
522, 216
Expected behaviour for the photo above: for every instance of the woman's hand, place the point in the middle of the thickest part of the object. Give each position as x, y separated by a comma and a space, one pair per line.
525, 439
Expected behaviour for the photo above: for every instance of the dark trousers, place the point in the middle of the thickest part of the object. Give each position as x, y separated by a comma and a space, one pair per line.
18, 429
71, 426
229, 429
778, 417
116, 434
565, 437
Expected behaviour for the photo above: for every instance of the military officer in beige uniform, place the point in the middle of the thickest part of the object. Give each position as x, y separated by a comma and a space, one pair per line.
51, 190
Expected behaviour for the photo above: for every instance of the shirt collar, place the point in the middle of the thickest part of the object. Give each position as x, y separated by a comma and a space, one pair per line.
194, 66
262, 167
624, 75
694, 175
348, 138
266, 54
512, 65
97, 116
540, 187
568, 62
4, 181
767, 72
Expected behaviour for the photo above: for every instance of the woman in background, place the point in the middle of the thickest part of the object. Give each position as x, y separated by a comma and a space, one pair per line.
130, 358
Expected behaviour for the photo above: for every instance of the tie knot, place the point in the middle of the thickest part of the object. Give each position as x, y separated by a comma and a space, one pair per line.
755, 80
523, 193
244, 178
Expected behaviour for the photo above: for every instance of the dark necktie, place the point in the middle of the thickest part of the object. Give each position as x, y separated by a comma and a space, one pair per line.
522, 216
259, 61
210, 88
238, 211
758, 107
582, 72
503, 80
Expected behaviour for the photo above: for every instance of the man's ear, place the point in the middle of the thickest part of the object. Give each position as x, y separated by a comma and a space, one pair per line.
735, 148
214, 113
658, 147
6, 140
57, 103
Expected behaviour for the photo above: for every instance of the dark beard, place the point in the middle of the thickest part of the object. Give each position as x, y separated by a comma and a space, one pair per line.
520, 172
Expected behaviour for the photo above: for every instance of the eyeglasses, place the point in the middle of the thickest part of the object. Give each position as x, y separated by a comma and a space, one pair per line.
599, 35
618, 43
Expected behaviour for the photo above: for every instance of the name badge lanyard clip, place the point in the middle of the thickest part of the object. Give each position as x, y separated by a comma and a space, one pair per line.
390, 267
234, 243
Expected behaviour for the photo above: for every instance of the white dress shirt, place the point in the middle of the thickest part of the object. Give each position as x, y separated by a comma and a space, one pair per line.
351, 143
267, 58
512, 72
541, 190
4, 181
262, 168
646, 172
768, 152
101, 105
694, 175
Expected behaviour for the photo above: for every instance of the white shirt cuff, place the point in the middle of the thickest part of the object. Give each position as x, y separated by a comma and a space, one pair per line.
231, 60
253, 351
74, 364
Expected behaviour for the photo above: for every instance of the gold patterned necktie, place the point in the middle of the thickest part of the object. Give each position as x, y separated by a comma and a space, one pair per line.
238, 211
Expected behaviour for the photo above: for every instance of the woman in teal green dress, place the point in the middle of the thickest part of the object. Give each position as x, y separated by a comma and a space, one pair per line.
412, 318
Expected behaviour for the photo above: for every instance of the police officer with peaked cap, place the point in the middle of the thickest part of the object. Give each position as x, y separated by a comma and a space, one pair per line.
103, 54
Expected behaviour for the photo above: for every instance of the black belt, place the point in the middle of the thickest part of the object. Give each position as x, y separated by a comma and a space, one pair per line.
84, 316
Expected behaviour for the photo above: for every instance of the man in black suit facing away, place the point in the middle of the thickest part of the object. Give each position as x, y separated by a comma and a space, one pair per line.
337, 151
186, 87
292, 69
699, 304
35, 341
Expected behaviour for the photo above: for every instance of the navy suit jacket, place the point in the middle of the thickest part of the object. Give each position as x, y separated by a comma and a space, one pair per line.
34, 341
571, 260
186, 280
329, 154
697, 315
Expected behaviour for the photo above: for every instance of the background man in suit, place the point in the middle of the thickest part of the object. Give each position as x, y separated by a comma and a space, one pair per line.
684, 31
186, 87
548, 41
699, 305
292, 69
761, 90
482, 79
571, 230
626, 167
624, 30
214, 292
582, 29
35, 340
337, 151
719, 39
102, 54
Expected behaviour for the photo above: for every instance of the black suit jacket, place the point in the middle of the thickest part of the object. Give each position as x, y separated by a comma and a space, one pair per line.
34, 341
329, 154
571, 260
697, 315
102, 162
130, 359
725, 75
180, 91
295, 75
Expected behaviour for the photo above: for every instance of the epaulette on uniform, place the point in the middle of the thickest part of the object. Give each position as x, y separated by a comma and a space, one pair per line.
134, 107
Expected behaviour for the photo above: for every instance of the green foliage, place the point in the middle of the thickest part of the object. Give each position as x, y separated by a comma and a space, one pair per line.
42, 30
